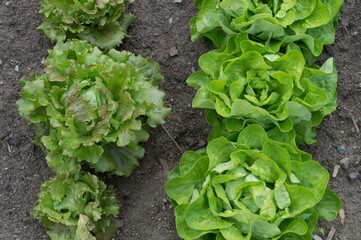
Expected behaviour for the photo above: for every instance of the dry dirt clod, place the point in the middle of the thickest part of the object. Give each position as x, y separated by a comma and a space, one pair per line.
173, 52
164, 165
118, 222
345, 162
335, 170
202, 143
342, 216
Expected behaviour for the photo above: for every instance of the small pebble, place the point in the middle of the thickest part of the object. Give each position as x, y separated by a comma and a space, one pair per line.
200, 114
352, 176
341, 149
14, 142
173, 52
170, 20
335, 170
17, 68
202, 143
189, 141
345, 21
8, 188
345, 162
178, 1
7, 4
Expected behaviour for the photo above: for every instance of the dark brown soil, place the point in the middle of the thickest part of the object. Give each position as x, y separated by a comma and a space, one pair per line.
145, 211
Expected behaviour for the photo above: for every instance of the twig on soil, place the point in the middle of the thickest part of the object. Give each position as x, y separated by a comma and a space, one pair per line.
346, 30
9, 148
353, 119
330, 235
355, 124
342, 216
316, 237
180, 149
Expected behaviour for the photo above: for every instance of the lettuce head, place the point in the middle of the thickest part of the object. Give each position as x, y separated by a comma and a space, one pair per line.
250, 187
249, 83
76, 208
309, 24
101, 22
90, 107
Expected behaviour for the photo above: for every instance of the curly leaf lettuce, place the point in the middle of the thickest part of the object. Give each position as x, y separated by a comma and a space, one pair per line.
249, 83
254, 188
103, 23
76, 208
93, 107
308, 24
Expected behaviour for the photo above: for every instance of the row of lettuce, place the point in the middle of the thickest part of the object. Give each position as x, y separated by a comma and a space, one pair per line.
90, 110
263, 95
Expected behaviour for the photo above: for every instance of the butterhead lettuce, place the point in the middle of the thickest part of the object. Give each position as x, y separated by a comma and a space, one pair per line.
253, 188
76, 208
248, 83
277, 23
101, 22
93, 107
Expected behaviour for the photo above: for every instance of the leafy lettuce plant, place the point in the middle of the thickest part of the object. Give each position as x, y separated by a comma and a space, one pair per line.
254, 188
249, 83
101, 22
93, 107
76, 208
309, 24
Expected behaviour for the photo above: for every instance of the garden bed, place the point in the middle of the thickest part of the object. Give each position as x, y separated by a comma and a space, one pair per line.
161, 31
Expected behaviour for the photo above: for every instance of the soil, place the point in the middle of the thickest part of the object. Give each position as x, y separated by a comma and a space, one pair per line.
161, 30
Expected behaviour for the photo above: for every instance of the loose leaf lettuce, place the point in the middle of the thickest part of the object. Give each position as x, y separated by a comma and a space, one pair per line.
249, 83
76, 208
254, 188
100, 22
93, 107
277, 23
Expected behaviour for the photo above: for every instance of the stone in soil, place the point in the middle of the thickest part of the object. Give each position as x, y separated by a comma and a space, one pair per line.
8, 188
345, 162
352, 176
341, 149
